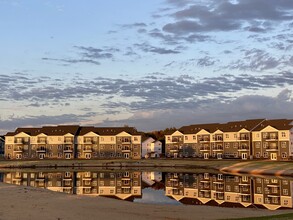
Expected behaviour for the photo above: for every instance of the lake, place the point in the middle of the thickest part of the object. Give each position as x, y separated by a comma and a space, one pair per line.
202, 188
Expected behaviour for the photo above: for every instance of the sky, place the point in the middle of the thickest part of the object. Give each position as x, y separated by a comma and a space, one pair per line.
149, 64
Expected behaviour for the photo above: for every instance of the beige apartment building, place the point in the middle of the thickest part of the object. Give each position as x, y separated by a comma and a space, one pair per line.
238, 139
273, 140
217, 189
69, 142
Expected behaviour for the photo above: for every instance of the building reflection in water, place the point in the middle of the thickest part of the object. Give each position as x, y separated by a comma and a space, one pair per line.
214, 189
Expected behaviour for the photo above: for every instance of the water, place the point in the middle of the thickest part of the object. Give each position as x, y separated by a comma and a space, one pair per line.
204, 188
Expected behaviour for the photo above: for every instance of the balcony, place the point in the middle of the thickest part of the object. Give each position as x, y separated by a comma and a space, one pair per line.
243, 148
271, 138
68, 141
176, 139
87, 150
21, 141
125, 140
272, 148
42, 141
244, 138
67, 149
218, 139
41, 150
204, 148
126, 149
18, 149
217, 148
201, 140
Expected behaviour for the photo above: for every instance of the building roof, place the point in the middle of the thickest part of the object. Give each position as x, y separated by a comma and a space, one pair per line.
74, 130
236, 126
280, 124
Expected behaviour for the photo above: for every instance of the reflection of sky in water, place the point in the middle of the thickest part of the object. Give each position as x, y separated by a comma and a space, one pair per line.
152, 196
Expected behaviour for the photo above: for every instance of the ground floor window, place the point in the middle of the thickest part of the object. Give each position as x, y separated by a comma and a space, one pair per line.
265, 155
284, 155
257, 155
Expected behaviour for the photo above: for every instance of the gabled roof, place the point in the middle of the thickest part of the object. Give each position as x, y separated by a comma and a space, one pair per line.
48, 130
193, 129
104, 131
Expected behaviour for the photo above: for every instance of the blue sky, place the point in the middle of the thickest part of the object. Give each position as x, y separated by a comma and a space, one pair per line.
149, 64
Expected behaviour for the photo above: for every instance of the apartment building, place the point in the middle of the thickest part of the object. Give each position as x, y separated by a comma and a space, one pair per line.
122, 185
55, 181
68, 142
217, 189
247, 139
151, 148
41, 143
108, 142
273, 139
273, 193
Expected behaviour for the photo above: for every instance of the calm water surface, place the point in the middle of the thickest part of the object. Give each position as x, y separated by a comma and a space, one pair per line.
212, 189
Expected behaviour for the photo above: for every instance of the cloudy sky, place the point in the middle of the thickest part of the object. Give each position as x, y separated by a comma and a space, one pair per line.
149, 64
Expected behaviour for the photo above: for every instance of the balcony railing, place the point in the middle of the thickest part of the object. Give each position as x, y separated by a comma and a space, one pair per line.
87, 149
17, 149
126, 149
272, 148
217, 148
41, 150
244, 138
204, 148
176, 139
243, 148
271, 138
203, 139
42, 141
67, 149
68, 141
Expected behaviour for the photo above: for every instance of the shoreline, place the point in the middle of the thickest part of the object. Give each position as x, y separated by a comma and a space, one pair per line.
36, 203
187, 165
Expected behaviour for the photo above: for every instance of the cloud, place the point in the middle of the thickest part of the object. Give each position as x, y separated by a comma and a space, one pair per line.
215, 15
87, 55
242, 108
34, 121
157, 50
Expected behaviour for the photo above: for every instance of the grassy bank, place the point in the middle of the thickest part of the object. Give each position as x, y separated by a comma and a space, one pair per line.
228, 166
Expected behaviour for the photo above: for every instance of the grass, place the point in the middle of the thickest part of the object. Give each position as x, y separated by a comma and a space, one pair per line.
228, 166
288, 216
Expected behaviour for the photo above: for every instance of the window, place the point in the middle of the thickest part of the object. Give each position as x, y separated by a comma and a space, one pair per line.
59, 147
102, 139
112, 146
186, 138
283, 134
60, 155
257, 155
112, 138
227, 135
284, 155
257, 144
235, 136
227, 145
283, 144
194, 137
119, 147
258, 190
265, 145
257, 135
265, 155
169, 138
102, 147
